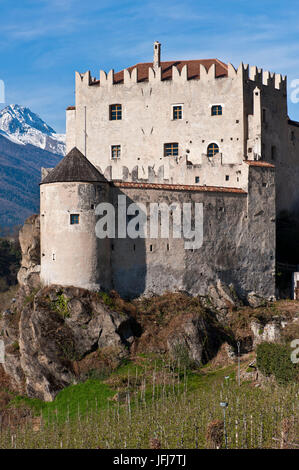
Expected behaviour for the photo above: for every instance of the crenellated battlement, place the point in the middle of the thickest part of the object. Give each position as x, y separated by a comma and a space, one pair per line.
184, 71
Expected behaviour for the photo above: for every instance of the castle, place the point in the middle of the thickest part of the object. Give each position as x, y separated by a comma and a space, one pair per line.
196, 131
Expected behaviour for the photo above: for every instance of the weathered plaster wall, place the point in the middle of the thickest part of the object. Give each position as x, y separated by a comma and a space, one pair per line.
238, 244
71, 254
147, 123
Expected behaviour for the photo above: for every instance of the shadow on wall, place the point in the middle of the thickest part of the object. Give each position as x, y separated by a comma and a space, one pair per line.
287, 251
287, 237
128, 256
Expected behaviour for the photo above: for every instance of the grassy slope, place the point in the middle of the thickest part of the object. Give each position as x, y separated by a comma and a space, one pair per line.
159, 401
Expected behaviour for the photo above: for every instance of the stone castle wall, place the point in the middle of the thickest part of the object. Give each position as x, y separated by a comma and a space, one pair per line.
238, 239
238, 243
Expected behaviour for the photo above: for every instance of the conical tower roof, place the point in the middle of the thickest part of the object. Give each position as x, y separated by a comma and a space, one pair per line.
74, 167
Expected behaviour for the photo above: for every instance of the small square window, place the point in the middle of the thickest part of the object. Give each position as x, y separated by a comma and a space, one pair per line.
196, 179
115, 112
177, 112
75, 219
216, 110
115, 152
171, 149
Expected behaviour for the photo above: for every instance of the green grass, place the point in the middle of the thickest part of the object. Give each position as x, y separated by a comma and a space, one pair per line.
71, 402
162, 401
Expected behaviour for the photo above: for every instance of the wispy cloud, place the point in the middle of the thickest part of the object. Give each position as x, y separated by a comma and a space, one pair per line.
42, 42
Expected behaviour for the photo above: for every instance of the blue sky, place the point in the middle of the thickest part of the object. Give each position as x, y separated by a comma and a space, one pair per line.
43, 42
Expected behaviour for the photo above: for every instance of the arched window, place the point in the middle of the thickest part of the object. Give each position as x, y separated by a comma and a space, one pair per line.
212, 150
216, 110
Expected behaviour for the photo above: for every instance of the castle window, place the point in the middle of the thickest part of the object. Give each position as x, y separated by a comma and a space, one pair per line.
171, 150
75, 219
273, 152
226, 177
196, 179
115, 112
177, 112
212, 150
216, 110
115, 152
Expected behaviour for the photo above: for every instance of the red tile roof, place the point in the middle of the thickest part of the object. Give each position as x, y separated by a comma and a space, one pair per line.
259, 163
177, 187
193, 67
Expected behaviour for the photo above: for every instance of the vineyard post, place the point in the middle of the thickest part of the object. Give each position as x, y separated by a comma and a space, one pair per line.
238, 344
224, 405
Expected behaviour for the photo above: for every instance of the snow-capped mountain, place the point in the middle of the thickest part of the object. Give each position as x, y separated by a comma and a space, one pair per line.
22, 126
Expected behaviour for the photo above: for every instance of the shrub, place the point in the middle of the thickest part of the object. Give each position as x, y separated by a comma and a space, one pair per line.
215, 434
106, 299
275, 359
60, 305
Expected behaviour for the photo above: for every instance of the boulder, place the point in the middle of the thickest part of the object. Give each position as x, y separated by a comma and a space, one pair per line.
189, 339
192, 337
271, 332
222, 299
255, 301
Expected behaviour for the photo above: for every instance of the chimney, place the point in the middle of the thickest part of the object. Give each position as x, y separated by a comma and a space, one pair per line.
157, 54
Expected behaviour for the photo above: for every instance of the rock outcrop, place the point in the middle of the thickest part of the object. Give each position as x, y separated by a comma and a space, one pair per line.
194, 336
222, 299
29, 236
53, 331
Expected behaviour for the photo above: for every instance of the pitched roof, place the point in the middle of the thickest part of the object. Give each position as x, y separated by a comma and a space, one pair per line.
74, 167
177, 187
193, 67
259, 163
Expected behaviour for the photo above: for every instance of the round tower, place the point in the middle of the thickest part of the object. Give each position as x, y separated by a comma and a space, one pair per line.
71, 254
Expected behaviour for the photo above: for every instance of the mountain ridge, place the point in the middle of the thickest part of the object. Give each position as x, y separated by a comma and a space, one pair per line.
22, 126
20, 167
